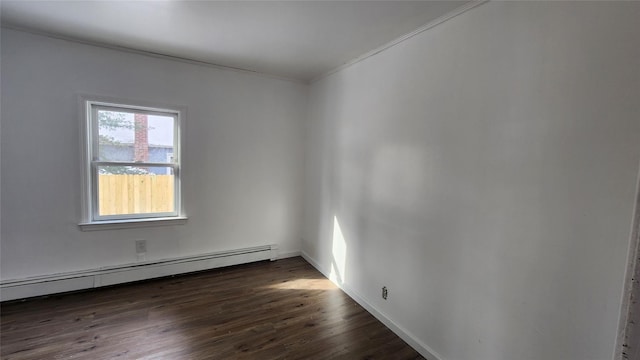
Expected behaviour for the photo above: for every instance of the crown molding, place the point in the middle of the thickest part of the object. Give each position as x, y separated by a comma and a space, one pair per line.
464, 8
153, 54
442, 19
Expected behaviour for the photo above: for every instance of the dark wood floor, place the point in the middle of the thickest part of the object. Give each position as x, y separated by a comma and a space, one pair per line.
268, 310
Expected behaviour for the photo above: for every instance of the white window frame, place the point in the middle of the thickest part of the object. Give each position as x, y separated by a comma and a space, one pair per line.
170, 157
91, 219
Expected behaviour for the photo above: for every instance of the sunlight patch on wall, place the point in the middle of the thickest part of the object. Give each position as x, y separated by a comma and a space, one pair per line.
339, 254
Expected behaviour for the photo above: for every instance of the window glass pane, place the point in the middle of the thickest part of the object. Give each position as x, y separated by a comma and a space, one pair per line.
135, 190
126, 136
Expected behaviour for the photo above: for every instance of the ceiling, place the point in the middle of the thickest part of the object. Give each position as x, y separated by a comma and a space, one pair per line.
293, 39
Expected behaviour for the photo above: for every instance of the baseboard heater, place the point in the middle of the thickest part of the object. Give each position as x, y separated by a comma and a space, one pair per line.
86, 279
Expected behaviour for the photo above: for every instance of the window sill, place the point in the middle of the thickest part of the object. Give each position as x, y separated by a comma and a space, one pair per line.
133, 223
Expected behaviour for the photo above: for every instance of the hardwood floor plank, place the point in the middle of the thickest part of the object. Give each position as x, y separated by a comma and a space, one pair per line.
267, 310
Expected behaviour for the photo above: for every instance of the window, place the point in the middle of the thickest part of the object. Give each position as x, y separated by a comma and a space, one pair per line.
132, 164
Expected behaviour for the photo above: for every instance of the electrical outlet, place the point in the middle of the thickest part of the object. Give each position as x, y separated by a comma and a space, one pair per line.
141, 247
385, 292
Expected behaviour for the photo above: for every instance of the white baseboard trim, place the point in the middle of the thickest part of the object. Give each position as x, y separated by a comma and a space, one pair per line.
86, 279
409, 338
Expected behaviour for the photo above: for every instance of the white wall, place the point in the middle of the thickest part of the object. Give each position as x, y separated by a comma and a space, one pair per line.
484, 171
242, 161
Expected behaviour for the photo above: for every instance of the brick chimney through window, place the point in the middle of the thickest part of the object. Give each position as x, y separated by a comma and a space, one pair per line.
141, 142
